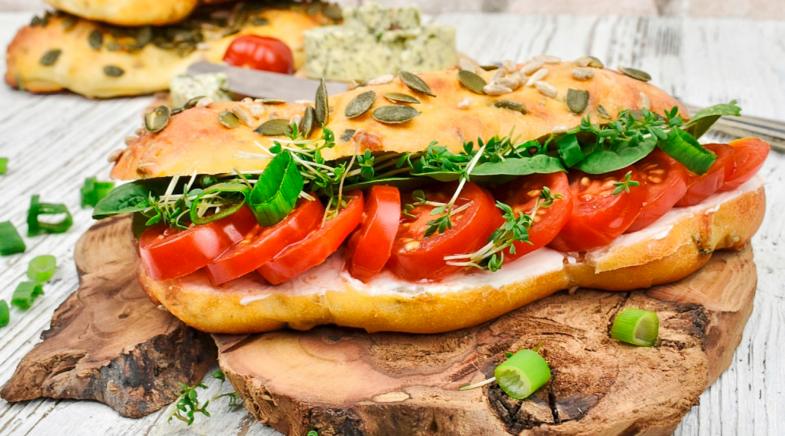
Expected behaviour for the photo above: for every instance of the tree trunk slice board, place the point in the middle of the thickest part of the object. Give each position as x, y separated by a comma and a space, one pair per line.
107, 341
342, 381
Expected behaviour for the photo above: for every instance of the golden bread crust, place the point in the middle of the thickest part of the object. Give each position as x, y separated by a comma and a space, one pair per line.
444, 118
652, 260
80, 68
128, 12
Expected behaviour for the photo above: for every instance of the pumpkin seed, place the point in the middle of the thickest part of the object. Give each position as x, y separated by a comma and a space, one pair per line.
274, 127
603, 112
322, 106
113, 71
96, 39
589, 61
360, 104
399, 97
489, 67
394, 114
271, 100
306, 123
228, 119
157, 119
511, 105
50, 57
347, 135
176, 111
332, 11
636, 74
577, 100
69, 22
415, 83
471, 81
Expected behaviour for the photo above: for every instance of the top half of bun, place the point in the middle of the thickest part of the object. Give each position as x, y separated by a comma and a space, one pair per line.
128, 12
195, 142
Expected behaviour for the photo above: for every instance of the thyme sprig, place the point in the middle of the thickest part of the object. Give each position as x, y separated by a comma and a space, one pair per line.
188, 404
625, 184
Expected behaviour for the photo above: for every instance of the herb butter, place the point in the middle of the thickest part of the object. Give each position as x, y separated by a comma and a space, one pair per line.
184, 87
373, 41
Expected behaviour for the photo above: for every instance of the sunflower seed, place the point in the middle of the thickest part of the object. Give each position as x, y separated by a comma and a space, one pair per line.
50, 57
539, 75
204, 102
530, 67
228, 119
415, 83
589, 61
471, 81
322, 106
577, 100
464, 103
511, 105
636, 74
468, 65
645, 102
546, 88
381, 80
582, 73
512, 81
96, 39
274, 127
548, 59
156, 119
347, 135
496, 89
399, 97
306, 123
113, 71
394, 114
360, 104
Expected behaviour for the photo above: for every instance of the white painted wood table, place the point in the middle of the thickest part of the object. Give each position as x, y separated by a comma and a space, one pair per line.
54, 142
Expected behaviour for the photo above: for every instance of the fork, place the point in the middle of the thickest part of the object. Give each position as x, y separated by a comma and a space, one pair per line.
748, 125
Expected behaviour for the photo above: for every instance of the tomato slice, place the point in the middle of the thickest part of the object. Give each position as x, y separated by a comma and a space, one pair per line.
262, 243
317, 246
168, 253
665, 182
260, 53
522, 195
417, 257
371, 245
598, 215
700, 187
746, 159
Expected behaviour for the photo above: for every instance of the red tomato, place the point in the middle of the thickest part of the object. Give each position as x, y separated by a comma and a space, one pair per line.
168, 253
260, 53
700, 187
417, 257
522, 195
598, 215
747, 158
262, 243
371, 245
317, 246
665, 182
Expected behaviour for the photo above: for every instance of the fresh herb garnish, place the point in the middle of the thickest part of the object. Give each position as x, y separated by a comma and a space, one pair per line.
625, 184
38, 209
42, 268
5, 315
10, 240
25, 294
636, 327
188, 404
520, 375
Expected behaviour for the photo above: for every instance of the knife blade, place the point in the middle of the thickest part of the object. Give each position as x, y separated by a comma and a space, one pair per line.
265, 84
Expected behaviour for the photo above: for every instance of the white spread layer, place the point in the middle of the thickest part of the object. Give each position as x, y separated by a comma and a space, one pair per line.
332, 276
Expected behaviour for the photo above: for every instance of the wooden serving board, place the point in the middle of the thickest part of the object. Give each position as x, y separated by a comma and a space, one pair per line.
108, 343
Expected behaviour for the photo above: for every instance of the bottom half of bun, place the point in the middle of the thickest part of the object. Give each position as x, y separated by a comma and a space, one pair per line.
672, 248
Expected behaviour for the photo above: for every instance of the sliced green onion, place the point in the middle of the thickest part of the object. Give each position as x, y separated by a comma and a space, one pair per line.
10, 241
42, 268
636, 327
5, 316
569, 149
522, 374
683, 147
94, 191
211, 198
34, 224
3, 165
25, 294
277, 190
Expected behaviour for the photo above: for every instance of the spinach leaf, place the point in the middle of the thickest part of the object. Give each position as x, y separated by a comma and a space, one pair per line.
705, 118
522, 166
127, 198
605, 160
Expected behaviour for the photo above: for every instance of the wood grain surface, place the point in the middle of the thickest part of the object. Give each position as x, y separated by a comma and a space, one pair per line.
54, 142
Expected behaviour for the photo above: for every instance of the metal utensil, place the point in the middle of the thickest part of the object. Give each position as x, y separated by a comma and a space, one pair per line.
747, 125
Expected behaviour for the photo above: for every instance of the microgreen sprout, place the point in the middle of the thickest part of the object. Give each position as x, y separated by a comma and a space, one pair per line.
625, 184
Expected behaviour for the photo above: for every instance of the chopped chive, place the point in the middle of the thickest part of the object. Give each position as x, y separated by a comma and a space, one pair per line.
636, 327
10, 241
34, 224
5, 316
42, 268
25, 294
93, 191
3, 165
522, 374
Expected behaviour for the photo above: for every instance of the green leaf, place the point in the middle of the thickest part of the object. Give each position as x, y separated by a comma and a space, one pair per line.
127, 198
523, 166
401, 182
683, 147
277, 190
230, 196
569, 149
702, 121
606, 160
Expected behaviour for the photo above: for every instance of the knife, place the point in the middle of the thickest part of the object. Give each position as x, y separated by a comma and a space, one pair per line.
265, 84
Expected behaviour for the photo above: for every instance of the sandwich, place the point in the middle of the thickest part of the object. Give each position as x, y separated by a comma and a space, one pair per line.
430, 202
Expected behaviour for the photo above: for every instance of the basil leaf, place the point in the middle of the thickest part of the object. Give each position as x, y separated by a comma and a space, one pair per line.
702, 121
522, 166
127, 198
277, 190
606, 160
683, 147
229, 195
569, 149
